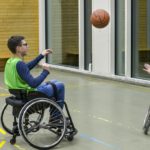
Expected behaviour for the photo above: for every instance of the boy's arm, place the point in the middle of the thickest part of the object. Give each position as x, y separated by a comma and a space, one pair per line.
34, 62
25, 75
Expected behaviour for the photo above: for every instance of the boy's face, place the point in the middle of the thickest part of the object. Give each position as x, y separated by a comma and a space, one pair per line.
23, 48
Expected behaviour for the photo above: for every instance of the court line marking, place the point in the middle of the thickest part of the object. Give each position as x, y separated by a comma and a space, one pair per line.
2, 131
2, 143
109, 121
93, 139
4, 94
18, 147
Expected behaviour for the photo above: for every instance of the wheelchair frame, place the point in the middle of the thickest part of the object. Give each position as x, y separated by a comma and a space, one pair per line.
146, 122
29, 119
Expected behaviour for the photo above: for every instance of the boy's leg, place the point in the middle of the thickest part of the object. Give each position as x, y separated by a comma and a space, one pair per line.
60, 92
60, 99
48, 90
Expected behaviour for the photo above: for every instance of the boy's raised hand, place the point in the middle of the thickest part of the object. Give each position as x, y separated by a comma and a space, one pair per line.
147, 68
46, 52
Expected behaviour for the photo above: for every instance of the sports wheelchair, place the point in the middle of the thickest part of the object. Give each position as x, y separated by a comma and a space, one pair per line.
37, 118
147, 122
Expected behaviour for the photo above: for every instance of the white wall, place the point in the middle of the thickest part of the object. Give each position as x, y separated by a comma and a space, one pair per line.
101, 42
41, 27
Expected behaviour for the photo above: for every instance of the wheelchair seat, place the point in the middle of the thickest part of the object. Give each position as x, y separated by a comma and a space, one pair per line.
24, 95
14, 102
21, 97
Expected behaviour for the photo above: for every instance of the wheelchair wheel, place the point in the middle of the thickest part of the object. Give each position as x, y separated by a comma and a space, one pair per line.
7, 119
147, 122
46, 132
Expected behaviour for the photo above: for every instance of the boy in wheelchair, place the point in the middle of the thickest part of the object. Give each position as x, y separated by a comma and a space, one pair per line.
36, 97
17, 73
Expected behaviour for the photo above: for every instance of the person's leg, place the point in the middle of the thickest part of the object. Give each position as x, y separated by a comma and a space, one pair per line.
60, 99
60, 92
54, 81
46, 89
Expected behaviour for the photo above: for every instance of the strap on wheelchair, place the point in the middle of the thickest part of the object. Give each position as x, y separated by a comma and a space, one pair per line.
54, 88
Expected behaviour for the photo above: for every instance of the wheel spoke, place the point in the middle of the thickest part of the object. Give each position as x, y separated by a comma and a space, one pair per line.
44, 124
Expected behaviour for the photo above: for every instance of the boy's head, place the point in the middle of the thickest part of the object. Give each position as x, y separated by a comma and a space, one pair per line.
13, 42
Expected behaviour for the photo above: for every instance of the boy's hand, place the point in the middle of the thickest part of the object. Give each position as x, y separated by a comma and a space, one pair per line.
147, 68
46, 66
46, 52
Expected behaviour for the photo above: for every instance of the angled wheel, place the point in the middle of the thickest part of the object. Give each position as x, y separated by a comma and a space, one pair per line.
7, 119
42, 130
147, 122
13, 141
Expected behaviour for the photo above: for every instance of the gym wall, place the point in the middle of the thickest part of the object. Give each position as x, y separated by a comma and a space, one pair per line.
19, 18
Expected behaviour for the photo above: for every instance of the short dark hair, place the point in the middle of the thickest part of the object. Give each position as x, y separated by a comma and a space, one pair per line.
13, 42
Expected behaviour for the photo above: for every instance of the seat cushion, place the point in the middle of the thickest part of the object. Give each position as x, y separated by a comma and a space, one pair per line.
14, 102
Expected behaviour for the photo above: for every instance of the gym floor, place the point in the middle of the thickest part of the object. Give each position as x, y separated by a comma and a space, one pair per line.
108, 114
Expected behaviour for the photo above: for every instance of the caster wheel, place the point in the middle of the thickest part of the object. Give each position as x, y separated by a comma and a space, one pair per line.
146, 126
147, 122
12, 141
146, 131
70, 138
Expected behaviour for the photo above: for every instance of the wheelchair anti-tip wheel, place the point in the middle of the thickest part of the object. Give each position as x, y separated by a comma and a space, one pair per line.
42, 132
147, 122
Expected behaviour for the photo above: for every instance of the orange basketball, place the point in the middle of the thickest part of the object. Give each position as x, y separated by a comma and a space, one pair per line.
100, 18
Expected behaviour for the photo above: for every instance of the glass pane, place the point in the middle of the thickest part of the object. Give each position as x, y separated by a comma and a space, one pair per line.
140, 37
62, 35
119, 37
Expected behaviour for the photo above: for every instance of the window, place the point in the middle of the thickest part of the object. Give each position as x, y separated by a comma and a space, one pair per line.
62, 31
140, 37
120, 37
